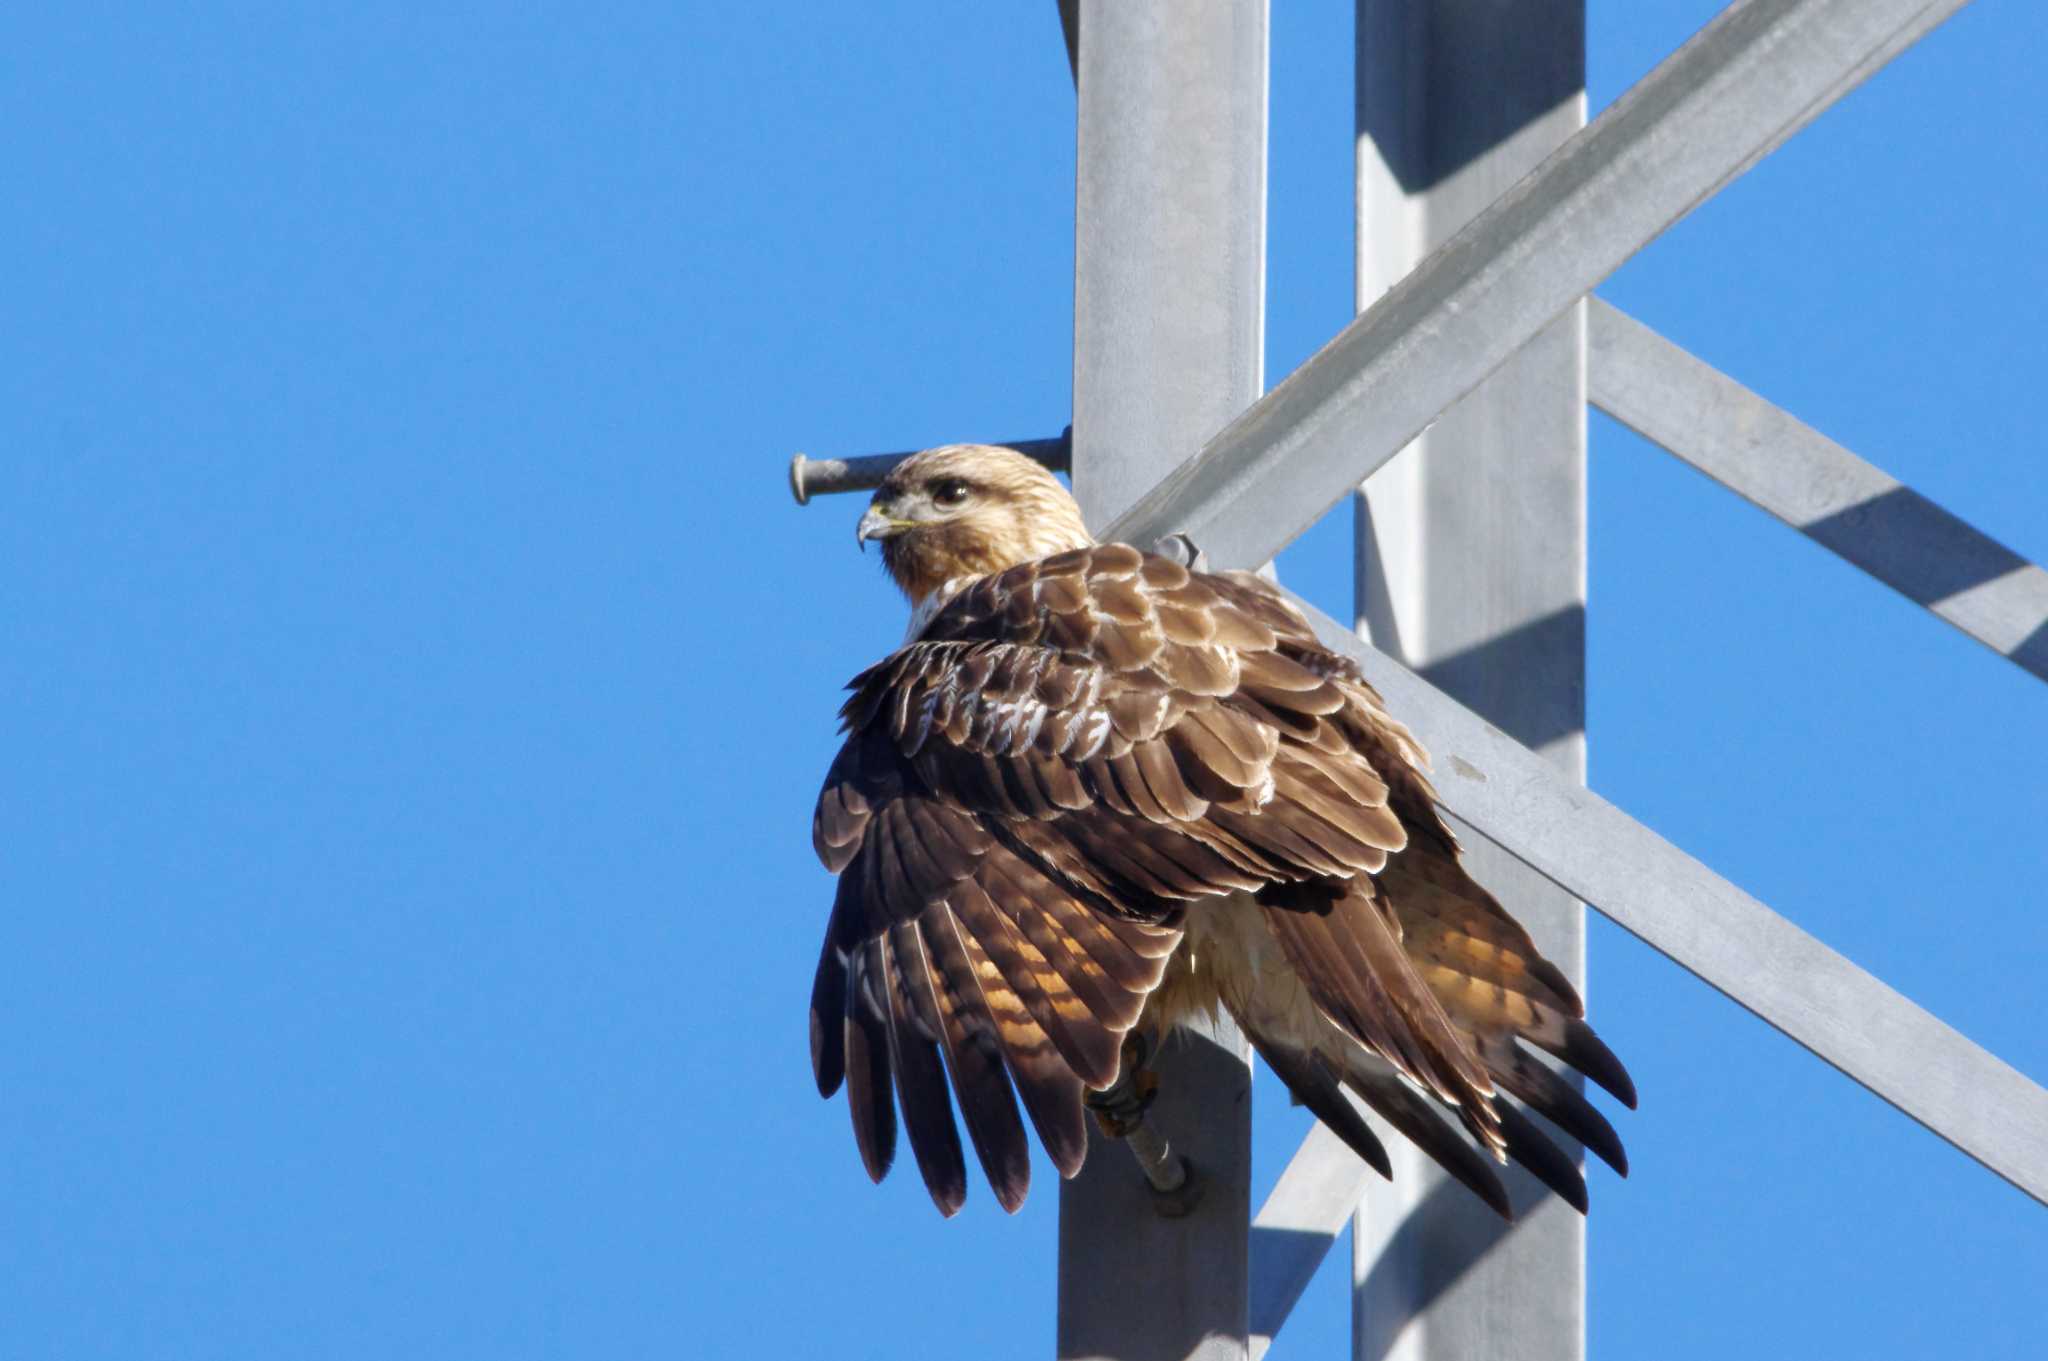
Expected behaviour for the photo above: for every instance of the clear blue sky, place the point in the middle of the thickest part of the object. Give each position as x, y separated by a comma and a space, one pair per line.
418, 678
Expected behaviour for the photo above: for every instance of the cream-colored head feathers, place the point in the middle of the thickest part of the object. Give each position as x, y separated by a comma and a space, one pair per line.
966, 510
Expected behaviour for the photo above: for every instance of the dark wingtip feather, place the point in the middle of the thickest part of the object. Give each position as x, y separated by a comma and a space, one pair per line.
1559, 1102
997, 1133
1010, 1193
827, 1067
949, 1197
869, 1094
1553, 978
1052, 1100
934, 1139
828, 1011
1314, 1087
1586, 1052
1359, 1138
1067, 1143
1490, 1189
1544, 1160
927, 1108
993, 1125
1411, 1113
974, 1061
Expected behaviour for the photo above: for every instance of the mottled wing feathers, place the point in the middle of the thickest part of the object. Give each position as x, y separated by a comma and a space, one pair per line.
1351, 959
1481, 963
979, 982
1031, 793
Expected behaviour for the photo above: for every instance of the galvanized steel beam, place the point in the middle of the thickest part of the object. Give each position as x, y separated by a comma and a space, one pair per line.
1757, 73
1306, 1210
1813, 484
1169, 295
1472, 568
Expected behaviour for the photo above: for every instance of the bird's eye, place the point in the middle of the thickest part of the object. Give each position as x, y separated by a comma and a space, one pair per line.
949, 491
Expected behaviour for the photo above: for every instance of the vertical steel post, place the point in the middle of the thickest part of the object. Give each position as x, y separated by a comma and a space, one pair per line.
1169, 301
1471, 568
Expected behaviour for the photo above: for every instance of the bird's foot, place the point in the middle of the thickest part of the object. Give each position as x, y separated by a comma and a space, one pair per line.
1120, 1109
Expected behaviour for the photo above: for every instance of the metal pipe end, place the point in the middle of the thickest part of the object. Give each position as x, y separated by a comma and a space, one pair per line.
799, 467
1179, 1200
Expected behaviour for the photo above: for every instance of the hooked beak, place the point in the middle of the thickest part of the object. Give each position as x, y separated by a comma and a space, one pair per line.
876, 525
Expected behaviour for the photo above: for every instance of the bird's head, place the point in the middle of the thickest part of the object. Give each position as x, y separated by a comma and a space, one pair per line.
966, 510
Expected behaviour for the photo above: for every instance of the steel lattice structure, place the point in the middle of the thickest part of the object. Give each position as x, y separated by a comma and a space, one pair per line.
1482, 235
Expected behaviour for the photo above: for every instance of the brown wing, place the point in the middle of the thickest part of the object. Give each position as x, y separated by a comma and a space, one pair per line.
1478, 961
948, 953
1026, 799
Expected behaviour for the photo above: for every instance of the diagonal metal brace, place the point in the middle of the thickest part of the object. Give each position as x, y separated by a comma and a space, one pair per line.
1847, 506
1759, 72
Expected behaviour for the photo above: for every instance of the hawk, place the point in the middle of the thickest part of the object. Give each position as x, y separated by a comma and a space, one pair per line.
1095, 794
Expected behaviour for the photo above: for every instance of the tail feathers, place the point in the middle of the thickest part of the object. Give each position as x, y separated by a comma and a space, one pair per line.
1415, 1116
1555, 1099
1543, 1160
1588, 1053
1315, 1086
1315, 1081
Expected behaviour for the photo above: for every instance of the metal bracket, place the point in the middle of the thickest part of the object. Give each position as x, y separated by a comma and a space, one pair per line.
810, 477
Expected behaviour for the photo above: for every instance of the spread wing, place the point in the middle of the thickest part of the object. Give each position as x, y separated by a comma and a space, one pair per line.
947, 944
1031, 793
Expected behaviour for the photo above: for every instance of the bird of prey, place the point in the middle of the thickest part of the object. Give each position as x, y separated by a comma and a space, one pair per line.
1095, 794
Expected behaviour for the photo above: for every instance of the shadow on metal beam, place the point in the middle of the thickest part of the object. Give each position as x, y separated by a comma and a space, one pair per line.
1889, 536
1517, 658
1443, 1238
1270, 1307
1462, 128
2032, 653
